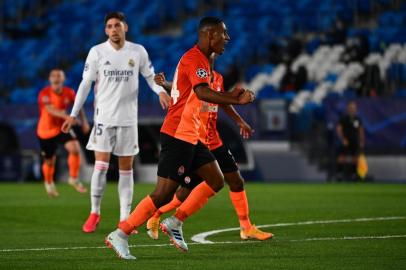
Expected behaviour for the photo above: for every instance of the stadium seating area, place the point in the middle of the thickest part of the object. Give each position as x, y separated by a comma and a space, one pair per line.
62, 35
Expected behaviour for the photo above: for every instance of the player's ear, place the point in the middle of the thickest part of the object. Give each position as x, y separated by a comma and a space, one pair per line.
125, 27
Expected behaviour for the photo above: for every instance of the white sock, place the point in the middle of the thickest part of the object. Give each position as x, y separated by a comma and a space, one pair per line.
125, 193
98, 185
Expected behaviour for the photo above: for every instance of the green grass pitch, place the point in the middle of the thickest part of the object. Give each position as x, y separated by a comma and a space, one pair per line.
29, 220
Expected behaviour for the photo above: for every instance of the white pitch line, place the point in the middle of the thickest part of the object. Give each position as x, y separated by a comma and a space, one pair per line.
218, 243
201, 237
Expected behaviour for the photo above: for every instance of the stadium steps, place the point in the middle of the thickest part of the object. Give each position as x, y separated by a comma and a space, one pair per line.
278, 161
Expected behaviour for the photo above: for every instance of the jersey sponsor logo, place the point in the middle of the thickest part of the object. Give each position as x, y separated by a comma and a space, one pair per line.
131, 63
201, 73
107, 63
187, 180
117, 75
181, 170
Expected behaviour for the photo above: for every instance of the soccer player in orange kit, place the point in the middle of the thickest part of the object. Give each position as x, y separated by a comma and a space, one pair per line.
181, 151
53, 101
210, 136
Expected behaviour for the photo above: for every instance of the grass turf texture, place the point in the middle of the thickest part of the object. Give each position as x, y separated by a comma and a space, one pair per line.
28, 219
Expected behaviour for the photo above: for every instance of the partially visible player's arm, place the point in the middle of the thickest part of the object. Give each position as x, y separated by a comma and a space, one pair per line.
55, 112
147, 71
245, 129
81, 96
237, 96
89, 75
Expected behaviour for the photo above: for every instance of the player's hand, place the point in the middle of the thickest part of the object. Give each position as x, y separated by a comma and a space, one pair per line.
236, 92
246, 97
160, 79
67, 125
164, 99
245, 129
85, 127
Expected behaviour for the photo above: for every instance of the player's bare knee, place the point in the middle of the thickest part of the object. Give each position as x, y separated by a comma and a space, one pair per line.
234, 181
159, 199
217, 184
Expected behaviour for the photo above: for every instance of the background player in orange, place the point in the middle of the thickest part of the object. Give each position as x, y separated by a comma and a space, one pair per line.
181, 151
53, 102
210, 136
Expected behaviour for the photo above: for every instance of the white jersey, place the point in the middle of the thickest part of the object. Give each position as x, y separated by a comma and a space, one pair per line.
116, 75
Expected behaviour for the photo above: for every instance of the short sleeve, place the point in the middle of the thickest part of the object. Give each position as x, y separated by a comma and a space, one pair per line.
198, 71
90, 70
146, 67
43, 98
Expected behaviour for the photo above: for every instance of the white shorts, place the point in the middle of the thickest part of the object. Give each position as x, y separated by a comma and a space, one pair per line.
121, 141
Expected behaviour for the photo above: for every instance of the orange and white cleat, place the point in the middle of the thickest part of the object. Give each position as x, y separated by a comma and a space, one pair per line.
76, 184
153, 227
91, 223
254, 233
50, 188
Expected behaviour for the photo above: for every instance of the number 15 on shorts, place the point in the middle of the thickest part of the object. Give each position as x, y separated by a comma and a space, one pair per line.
98, 130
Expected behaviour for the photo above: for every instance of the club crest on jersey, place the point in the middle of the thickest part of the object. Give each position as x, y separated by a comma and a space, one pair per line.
187, 180
181, 170
131, 63
201, 73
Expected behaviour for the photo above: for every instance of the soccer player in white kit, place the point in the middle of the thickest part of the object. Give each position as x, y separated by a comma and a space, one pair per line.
114, 66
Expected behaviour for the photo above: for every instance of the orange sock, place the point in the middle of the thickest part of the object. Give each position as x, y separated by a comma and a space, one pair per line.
240, 202
74, 165
168, 207
196, 200
48, 172
142, 212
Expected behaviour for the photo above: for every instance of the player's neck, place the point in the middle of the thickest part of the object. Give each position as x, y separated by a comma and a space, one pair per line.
57, 90
117, 45
206, 51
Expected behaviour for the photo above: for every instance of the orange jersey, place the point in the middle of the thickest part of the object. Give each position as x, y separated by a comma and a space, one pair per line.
209, 134
48, 125
183, 118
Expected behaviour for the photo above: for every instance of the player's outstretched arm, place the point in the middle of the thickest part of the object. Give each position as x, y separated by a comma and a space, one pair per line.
238, 96
245, 129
